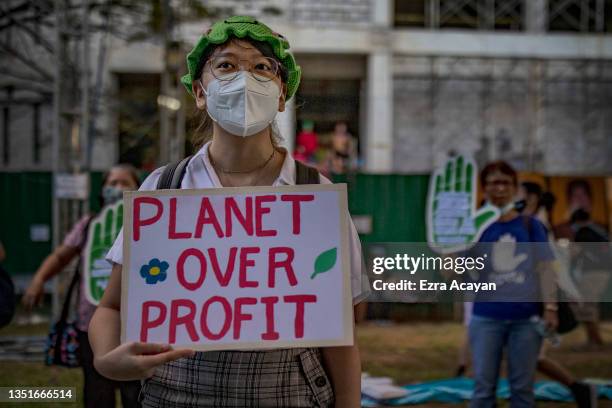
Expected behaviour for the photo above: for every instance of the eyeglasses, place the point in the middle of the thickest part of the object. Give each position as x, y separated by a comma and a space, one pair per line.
499, 183
227, 68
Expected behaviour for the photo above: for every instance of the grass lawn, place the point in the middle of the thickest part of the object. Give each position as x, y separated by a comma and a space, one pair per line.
13, 373
409, 352
414, 352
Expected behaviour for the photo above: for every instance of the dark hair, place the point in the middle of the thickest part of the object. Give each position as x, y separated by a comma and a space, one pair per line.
548, 201
577, 184
498, 166
121, 166
532, 188
203, 132
580, 215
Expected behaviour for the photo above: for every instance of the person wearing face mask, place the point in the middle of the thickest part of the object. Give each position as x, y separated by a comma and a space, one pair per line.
505, 320
98, 390
240, 74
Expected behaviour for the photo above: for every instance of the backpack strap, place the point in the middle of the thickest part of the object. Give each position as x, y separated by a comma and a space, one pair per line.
305, 174
527, 223
173, 174
77, 273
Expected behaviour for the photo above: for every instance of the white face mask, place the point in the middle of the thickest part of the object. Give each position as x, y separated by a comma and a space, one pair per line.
111, 194
504, 209
244, 105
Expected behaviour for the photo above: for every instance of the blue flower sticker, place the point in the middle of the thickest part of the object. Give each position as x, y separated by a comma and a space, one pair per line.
155, 271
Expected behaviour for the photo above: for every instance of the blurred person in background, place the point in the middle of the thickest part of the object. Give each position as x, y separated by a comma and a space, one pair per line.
527, 203
307, 143
496, 325
590, 270
579, 196
342, 156
531, 194
99, 392
547, 203
534, 202
539, 205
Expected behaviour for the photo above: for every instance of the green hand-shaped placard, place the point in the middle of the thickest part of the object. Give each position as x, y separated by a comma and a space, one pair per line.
453, 223
103, 229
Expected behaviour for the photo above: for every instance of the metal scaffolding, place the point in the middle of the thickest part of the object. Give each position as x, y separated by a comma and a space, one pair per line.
516, 15
480, 14
577, 15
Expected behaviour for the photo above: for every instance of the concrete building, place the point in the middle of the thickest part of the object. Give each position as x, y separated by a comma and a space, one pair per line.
524, 80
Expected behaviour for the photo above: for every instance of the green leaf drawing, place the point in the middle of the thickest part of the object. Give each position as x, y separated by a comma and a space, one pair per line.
325, 261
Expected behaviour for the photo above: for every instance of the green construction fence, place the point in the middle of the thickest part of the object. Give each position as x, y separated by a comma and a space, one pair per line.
396, 204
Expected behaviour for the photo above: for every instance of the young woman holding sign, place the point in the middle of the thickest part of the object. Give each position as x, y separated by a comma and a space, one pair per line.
240, 74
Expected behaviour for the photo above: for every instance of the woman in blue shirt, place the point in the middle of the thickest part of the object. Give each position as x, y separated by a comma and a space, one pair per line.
503, 320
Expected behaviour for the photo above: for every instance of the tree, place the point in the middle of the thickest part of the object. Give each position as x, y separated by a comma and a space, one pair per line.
37, 64
45, 58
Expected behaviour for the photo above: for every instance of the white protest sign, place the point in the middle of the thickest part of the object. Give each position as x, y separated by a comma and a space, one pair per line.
237, 268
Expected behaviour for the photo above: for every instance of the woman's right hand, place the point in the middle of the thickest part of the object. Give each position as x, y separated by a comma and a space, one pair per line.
137, 361
33, 295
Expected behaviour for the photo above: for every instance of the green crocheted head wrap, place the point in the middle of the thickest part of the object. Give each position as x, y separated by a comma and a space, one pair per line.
241, 27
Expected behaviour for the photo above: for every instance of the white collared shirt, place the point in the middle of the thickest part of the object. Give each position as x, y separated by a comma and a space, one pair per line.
201, 174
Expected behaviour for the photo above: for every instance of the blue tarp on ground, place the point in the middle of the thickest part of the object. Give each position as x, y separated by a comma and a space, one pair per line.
457, 390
